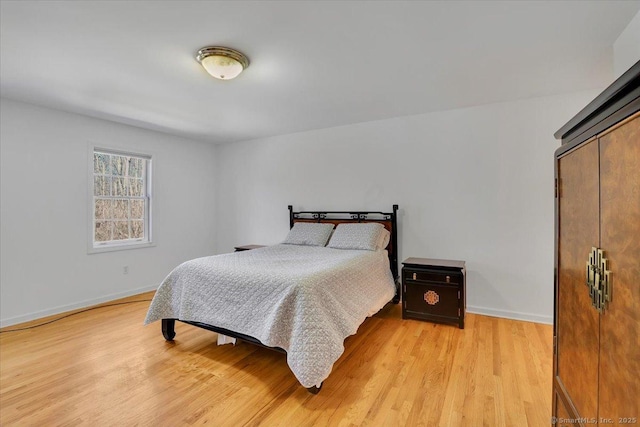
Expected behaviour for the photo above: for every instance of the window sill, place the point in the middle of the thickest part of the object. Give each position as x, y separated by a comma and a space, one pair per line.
124, 247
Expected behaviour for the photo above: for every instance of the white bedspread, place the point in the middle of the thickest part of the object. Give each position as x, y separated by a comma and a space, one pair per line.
304, 299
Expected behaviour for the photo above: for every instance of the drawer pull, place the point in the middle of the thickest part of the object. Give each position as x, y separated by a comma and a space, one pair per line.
431, 297
414, 276
448, 279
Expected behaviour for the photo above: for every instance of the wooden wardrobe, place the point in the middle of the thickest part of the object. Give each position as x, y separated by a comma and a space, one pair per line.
596, 370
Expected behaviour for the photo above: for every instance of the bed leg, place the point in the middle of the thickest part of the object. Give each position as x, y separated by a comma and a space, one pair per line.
314, 389
396, 298
169, 329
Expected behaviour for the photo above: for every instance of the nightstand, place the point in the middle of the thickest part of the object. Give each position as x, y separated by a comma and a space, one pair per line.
434, 290
248, 247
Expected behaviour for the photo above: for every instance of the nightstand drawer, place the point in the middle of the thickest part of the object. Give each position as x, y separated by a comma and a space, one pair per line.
432, 300
433, 276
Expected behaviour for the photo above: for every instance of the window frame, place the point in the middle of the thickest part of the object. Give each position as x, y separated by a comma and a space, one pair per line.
148, 241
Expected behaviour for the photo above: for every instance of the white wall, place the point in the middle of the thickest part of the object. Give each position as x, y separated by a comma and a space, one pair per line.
45, 267
474, 184
626, 49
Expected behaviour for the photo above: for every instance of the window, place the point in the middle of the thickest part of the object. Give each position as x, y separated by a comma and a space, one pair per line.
121, 202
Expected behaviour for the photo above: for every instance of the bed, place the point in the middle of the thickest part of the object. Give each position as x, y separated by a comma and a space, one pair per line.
299, 297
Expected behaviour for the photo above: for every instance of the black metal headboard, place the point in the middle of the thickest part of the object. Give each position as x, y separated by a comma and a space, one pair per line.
387, 219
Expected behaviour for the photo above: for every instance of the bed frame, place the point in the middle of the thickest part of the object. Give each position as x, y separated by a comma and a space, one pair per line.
387, 219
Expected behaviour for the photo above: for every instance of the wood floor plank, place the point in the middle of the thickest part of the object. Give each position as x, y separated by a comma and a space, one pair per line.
103, 367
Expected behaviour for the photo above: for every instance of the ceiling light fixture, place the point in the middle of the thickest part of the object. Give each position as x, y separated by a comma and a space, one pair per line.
222, 62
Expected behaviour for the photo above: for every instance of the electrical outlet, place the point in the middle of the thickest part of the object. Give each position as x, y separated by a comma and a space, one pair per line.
125, 269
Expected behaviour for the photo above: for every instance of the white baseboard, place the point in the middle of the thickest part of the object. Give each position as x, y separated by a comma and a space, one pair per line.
87, 303
82, 304
515, 315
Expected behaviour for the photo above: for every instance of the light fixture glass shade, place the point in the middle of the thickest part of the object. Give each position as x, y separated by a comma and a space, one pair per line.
221, 67
221, 62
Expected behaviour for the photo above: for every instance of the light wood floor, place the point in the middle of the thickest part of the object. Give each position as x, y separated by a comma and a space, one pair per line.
104, 368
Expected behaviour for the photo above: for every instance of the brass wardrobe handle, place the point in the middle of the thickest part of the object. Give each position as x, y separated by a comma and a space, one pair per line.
598, 279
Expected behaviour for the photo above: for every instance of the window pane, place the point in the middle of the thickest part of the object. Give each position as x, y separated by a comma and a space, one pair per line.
103, 209
121, 209
120, 187
101, 186
135, 187
136, 166
102, 231
101, 163
120, 230
137, 209
119, 165
137, 229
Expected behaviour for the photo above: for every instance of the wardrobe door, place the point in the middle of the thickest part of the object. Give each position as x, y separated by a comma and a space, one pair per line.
577, 320
619, 395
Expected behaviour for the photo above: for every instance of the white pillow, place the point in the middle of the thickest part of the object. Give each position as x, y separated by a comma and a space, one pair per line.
309, 234
364, 235
385, 236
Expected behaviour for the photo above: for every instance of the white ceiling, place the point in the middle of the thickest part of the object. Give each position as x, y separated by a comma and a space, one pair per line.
313, 64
